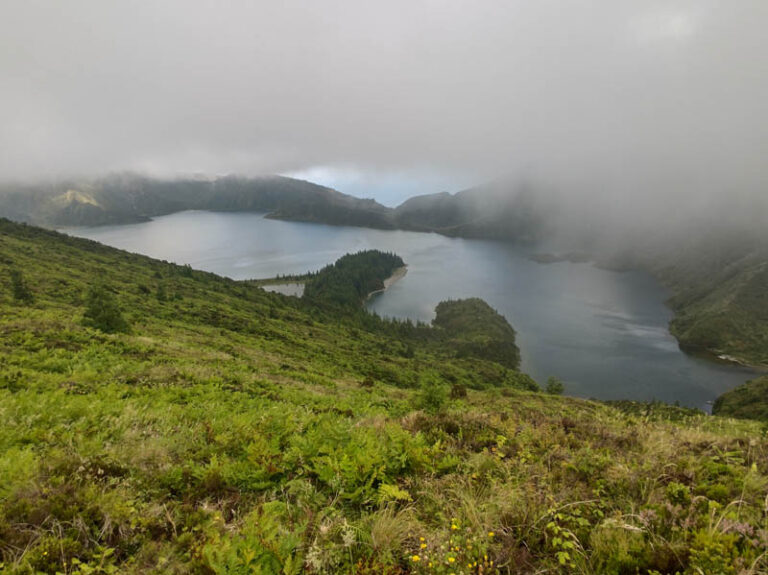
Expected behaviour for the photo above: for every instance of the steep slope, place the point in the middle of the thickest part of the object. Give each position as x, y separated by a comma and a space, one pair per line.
230, 430
719, 287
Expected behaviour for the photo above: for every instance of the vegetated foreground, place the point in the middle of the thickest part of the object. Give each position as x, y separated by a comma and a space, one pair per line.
154, 418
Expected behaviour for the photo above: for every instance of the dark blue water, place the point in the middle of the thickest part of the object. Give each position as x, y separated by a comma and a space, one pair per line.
604, 333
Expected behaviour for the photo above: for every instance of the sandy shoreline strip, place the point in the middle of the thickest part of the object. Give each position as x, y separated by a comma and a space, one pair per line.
397, 275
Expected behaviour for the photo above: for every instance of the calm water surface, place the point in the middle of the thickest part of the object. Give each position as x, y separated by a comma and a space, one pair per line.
604, 333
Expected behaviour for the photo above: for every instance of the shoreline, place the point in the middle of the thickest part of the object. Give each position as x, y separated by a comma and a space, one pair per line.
396, 276
720, 358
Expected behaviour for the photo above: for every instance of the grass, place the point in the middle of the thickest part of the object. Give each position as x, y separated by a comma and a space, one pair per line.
231, 430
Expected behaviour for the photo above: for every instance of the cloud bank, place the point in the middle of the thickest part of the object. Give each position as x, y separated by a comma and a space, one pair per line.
637, 97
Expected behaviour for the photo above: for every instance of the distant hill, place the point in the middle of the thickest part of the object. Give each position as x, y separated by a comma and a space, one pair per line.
490, 211
493, 211
748, 401
719, 291
128, 198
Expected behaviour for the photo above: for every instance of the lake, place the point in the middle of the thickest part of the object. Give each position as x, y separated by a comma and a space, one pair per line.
603, 332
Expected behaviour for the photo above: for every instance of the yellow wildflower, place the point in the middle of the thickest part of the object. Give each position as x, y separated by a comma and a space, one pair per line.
451, 559
491, 534
415, 558
423, 546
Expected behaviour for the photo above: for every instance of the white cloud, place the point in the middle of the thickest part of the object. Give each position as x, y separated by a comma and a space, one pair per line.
629, 94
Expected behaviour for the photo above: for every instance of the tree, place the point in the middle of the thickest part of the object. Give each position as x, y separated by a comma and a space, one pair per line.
102, 311
555, 386
21, 291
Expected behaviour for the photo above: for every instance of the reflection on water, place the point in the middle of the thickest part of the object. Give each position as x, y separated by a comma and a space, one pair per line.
604, 333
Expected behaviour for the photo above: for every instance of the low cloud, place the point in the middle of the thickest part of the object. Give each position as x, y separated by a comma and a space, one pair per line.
638, 99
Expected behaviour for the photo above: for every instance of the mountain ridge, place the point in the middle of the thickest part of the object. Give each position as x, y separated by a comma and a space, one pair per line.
130, 198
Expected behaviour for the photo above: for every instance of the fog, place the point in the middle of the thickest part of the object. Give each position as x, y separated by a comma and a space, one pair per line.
638, 103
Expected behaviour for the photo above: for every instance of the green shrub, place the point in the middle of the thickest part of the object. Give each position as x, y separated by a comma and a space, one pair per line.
458, 391
433, 394
555, 386
21, 291
102, 311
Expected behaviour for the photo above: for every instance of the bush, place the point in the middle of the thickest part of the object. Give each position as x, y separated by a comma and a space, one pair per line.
458, 391
555, 386
21, 291
103, 312
432, 396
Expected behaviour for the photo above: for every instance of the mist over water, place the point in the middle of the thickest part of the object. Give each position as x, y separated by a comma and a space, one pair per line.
603, 332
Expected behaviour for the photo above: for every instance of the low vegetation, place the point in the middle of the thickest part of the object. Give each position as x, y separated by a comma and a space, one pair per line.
748, 401
231, 430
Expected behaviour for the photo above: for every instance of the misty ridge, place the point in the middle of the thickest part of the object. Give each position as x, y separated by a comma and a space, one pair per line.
564, 216
617, 126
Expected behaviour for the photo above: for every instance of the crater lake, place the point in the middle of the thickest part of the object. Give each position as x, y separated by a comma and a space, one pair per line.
604, 333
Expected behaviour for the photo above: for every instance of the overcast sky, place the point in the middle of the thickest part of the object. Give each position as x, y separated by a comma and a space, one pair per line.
390, 98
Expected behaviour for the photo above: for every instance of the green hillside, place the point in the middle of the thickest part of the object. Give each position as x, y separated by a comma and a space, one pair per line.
219, 428
748, 401
719, 285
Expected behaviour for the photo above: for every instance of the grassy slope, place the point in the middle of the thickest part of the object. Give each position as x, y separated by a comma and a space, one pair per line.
749, 401
229, 430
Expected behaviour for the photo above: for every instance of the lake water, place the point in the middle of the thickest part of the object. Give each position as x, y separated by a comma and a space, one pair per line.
604, 333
